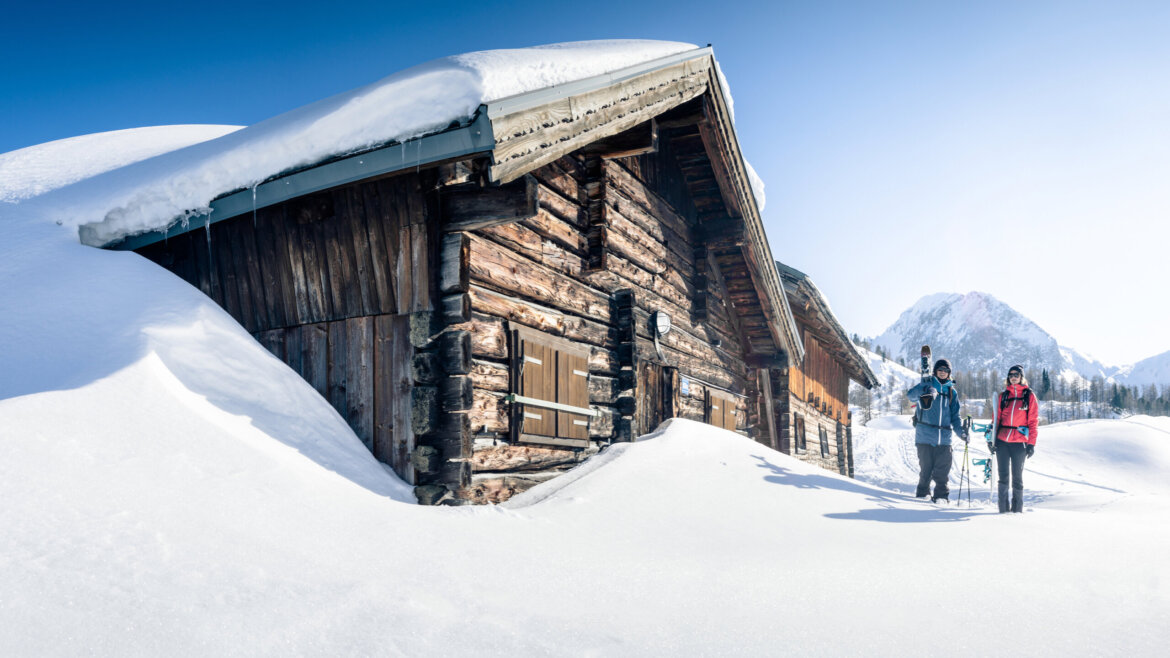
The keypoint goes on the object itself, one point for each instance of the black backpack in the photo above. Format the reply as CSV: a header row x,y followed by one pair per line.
x,y
1024,396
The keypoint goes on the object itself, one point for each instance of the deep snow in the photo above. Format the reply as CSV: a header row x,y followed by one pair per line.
x,y
169,488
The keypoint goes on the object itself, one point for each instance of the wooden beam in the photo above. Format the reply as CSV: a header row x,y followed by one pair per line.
x,y
468,207
683,116
764,377
453,273
639,140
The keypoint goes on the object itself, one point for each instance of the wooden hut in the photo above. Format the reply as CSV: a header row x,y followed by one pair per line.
x,y
489,305
813,398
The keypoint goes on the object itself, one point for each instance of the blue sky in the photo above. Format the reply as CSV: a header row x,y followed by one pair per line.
x,y
1018,148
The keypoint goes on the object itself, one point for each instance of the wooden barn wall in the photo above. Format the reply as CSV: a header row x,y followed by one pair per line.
x,y
534,273
328,283
817,394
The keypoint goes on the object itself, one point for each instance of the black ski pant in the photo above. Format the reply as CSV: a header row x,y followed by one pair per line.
x,y
1009,458
934,463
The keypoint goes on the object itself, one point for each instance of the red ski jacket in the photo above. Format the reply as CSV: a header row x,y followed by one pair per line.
x,y
1017,407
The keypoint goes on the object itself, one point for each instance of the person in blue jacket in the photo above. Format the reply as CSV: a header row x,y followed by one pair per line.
x,y
933,429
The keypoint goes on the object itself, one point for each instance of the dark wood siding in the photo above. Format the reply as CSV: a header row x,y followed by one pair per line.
x,y
356,251
327,283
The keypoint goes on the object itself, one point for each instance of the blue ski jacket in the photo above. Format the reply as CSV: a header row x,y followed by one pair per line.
x,y
935,424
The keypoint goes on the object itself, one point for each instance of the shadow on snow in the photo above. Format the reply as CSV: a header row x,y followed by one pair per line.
x,y
891,507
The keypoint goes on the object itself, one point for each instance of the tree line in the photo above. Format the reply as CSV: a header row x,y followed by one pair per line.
x,y
1061,400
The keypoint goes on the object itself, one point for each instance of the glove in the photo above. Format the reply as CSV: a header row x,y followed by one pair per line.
x,y
1031,450
929,392
966,436
991,447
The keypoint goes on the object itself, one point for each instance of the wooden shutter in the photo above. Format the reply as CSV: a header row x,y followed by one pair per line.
x,y
572,389
551,370
721,409
538,380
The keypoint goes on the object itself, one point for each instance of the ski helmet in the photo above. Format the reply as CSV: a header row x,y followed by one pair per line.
x,y
942,363
1017,369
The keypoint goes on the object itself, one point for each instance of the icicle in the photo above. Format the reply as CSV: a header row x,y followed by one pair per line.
x,y
210,266
254,204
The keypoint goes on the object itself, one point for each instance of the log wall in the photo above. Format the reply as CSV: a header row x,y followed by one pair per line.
x,y
540,273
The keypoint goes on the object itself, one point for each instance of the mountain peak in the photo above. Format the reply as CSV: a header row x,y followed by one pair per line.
x,y
974,330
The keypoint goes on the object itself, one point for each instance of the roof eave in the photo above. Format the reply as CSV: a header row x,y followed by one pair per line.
x,y
468,140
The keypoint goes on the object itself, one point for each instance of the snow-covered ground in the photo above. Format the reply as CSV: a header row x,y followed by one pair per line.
x,y
169,488
136,537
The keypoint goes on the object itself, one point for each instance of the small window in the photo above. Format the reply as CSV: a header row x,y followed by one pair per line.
x,y
823,434
550,376
798,434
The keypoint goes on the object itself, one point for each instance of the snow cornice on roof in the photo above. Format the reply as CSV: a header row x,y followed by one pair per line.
x,y
813,309
464,141
485,133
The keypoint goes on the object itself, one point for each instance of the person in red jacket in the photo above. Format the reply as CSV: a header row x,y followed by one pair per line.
x,y
1017,413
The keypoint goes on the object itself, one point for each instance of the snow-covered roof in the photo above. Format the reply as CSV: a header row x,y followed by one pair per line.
x,y
422,100
814,307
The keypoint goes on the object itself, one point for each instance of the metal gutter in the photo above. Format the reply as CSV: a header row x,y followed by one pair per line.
x,y
474,138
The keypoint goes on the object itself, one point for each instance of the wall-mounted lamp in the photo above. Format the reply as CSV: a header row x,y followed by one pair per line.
x,y
661,323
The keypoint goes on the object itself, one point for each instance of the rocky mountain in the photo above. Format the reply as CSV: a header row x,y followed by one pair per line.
x,y
1154,370
974,331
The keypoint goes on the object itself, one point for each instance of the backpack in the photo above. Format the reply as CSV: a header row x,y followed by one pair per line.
x,y
1025,395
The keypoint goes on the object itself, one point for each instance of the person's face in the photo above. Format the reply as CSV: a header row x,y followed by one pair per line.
x,y
942,374
1014,378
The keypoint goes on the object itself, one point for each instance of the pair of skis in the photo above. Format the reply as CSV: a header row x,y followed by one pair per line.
x,y
925,400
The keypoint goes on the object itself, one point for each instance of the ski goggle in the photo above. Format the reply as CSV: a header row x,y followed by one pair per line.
x,y
1015,373
943,369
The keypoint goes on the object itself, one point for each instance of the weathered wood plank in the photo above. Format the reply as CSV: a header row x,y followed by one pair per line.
x,y
312,240
455,352
470,207
250,272
455,309
342,288
522,458
315,343
405,269
294,351
420,256
359,377
539,317
381,262
537,136
290,251
357,248
205,263
515,274
385,391
488,412
402,396
454,275
337,366
274,266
